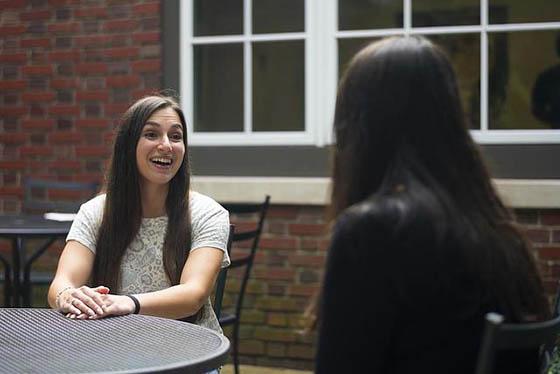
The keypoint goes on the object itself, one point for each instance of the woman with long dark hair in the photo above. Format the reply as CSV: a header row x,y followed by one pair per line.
x,y
149,244
422,246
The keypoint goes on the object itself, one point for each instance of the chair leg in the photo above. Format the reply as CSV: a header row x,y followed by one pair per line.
x,y
235,348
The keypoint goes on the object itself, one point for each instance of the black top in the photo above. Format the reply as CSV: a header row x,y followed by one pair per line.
x,y
400,304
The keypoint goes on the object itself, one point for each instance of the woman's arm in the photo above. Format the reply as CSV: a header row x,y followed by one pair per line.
x,y
67,291
185,299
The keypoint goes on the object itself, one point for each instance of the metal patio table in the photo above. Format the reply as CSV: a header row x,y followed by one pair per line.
x,y
44,341
17,228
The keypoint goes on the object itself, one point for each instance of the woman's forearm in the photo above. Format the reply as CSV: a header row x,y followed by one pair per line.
x,y
175,302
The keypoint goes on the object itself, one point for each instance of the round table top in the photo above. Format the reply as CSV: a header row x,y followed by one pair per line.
x,y
29,225
44,341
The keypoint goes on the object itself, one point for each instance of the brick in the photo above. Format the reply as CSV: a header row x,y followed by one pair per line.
x,y
146,37
65,83
65,137
274,334
12,30
146,65
64,164
278,304
287,212
15,4
276,349
64,194
146,8
127,52
300,229
37,70
65,110
92,123
91,68
13,57
97,95
88,151
274,273
538,235
278,243
35,151
35,15
306,260
556,236
38,96
301,351
122,81
13,165
44,124
13,138
72,55
97,12
13,111
253,316
38,42
118,109
302,290
64,28
251,347
549,253
550,218
11,191
13,85
126,25
277,319
92,40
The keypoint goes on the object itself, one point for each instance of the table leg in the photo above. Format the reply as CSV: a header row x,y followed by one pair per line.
x,y
16,263
7,281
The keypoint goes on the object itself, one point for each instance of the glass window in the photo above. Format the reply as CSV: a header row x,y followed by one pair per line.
x,y
428,13
524,80
278,86
216,17
522,11
369,14
218,87
347,48
273,16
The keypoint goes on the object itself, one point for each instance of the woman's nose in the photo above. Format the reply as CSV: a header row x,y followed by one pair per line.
x,y
165,143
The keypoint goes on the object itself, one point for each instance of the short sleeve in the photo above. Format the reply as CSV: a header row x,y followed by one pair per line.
x,y
210,225
86,225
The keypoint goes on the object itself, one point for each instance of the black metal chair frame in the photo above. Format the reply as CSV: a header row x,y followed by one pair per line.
x,y
222,276
246,261
501,336
30,204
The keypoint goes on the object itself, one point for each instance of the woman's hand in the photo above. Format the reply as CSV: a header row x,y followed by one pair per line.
x,y
114,305
82,302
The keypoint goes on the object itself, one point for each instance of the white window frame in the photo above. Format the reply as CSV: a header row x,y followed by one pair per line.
x,y
321,36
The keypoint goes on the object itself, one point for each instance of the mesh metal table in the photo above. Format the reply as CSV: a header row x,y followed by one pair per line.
x,y
44,341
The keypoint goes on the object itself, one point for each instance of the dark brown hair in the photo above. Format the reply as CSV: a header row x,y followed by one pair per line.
x,y
123,208
400,126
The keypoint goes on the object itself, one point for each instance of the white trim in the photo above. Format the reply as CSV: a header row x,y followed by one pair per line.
x,y
186,64
247,74
480,135
251,38
516,193
516,136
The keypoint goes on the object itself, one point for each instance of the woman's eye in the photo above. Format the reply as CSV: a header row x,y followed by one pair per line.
x,y
150,135
177,137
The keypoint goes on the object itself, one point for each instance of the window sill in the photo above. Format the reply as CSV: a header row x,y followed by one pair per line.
x,y
516,193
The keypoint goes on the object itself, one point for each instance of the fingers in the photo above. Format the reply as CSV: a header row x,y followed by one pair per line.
x,y
101,289
85,302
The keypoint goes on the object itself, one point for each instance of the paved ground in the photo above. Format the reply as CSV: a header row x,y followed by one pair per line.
x,y
247,369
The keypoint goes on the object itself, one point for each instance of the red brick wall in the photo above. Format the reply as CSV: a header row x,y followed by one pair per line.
x,y
68,70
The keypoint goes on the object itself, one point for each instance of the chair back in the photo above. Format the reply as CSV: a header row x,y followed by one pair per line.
x,y
500,336
241,236
222,276
44,195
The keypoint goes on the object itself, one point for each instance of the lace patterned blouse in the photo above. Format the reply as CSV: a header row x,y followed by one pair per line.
x,y
142,265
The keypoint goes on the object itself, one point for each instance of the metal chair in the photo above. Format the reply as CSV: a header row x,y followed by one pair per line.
x,y
499,336
233,317
222,276
41,196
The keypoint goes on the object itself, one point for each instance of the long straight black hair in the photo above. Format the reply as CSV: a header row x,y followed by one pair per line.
x,y
400,127
123,207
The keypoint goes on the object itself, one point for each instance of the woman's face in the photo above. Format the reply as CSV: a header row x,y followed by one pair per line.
x,y
160,149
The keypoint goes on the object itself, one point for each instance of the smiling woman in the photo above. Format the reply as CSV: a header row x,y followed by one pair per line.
x,y
148,244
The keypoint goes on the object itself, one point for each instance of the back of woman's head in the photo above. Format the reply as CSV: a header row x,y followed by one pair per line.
x,y
398,103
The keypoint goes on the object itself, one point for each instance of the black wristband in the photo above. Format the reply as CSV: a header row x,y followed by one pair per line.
x,y
136,304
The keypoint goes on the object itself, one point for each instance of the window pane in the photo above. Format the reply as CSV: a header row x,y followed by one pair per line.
x,y
218,87
445,12
464,52
278,86
524,80
519,11
369,14
270,16
215,17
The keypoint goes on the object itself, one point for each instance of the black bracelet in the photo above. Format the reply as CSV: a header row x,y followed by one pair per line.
x,y
136,304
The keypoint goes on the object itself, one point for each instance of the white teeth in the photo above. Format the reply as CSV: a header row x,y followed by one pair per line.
x,y
161,160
